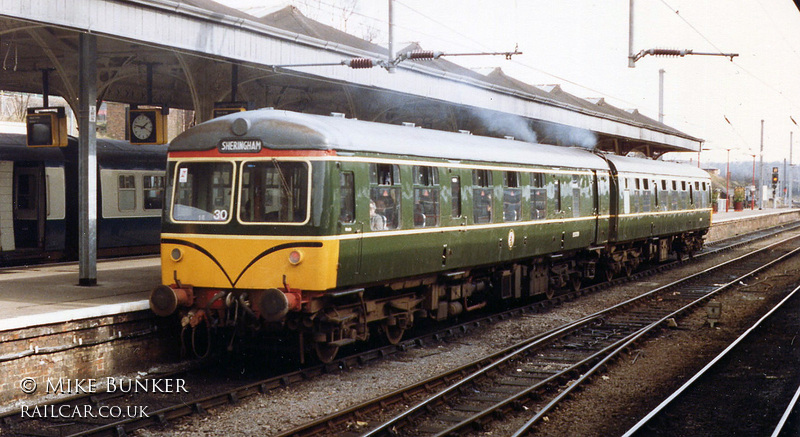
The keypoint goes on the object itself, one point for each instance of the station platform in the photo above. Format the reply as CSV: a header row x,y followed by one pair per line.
x,y
728,224
41,295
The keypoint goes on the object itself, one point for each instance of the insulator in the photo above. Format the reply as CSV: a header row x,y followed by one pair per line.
x,y
361,63
668,52
421,55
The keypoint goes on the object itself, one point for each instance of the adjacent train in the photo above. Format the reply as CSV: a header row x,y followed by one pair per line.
x,y
330,229
39,202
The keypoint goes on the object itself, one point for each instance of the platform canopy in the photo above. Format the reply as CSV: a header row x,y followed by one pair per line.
x,y
194,53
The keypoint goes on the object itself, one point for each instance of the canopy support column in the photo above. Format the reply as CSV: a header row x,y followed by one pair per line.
x,y
87,161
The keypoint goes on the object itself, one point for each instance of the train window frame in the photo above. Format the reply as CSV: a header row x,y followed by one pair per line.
x,y
128,191
426,192
161,186
656,204
512,196
538,196
482,188
278,164
385,191
384,174
234,177
557,193
576,196
455,197
347,197
645,197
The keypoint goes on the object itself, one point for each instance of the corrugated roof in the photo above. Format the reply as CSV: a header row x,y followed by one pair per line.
x,y
291,19
213,6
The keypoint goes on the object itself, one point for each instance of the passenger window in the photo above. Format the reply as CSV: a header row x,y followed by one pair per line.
x,y
683,185
426,196
153,192
126,194
347,194
385,195
664,185
646,196
455,193
538,197
674,185
512,197
482,196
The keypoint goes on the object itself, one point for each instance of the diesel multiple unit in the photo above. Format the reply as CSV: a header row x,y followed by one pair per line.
x,y
331,229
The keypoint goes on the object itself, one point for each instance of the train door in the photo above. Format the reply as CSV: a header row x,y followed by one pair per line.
x,y
29,207
350,251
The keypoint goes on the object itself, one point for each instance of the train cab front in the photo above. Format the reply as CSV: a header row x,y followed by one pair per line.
x,y
244,238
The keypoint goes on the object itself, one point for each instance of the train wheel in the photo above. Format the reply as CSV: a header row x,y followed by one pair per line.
x,y
608,273
325,352
628,270
393,333
575,283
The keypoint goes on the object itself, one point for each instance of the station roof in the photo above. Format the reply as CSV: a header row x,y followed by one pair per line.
x,y
191,47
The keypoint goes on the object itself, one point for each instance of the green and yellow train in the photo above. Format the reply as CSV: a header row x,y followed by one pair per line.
x,y
332,229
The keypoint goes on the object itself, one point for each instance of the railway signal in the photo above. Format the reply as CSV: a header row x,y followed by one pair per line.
x,y
774,177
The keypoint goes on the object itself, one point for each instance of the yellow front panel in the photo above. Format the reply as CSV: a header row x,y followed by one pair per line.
x,y
248,262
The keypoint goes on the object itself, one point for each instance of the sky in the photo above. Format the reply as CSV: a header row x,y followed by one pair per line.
x,y
582,45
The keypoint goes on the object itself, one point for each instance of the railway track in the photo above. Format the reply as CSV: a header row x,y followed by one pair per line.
x,y
540,372
751,388
164,409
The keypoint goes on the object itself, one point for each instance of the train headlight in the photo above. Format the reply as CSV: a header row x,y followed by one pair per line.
x,y
295,257
176,254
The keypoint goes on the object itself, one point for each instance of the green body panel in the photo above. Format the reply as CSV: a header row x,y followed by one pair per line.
x,y
368,256
651,211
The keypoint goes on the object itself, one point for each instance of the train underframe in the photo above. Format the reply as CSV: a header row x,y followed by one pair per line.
x,y
326,321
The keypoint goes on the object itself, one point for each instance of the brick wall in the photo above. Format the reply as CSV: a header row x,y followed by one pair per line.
x,y
91,348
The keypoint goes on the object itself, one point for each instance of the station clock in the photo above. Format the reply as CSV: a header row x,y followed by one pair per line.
x,y
147,126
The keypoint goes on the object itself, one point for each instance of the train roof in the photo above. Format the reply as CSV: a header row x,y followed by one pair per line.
x,y
279,129
116,153
626,164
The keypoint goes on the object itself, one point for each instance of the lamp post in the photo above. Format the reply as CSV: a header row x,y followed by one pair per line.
x,y
753,194
761,171
698,155
728,182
